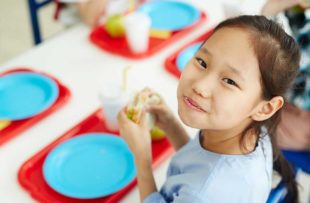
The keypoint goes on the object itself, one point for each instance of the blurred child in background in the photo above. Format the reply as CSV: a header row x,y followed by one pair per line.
x,y
91,12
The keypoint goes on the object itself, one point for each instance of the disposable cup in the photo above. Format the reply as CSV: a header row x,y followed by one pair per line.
x,y
137,28
113,98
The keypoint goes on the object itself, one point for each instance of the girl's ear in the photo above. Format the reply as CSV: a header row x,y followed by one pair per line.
x,y
267,108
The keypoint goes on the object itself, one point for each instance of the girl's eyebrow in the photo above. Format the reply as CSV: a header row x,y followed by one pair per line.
x,y
205,51
231,68
236,71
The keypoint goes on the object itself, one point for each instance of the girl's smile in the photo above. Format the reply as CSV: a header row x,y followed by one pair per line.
x,y
193,105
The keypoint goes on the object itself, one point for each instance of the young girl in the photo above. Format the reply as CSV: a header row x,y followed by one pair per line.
x,y
232,90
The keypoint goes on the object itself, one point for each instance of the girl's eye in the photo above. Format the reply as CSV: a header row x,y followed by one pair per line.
x,y
201,62
230,82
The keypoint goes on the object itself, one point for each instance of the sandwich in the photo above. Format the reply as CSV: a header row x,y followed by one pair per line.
x,y
138,104
136,107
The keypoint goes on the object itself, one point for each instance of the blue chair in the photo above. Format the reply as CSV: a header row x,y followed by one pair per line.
x,y
298,159
300,162
34,7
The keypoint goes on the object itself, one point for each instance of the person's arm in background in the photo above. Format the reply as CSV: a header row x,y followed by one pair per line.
x,y
273,7
92,10
294,130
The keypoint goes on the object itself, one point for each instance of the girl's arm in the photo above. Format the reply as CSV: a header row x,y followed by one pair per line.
x,y
138,138
176,133
145,177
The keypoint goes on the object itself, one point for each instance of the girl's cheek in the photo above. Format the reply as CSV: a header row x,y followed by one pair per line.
x,y
190,74
185,79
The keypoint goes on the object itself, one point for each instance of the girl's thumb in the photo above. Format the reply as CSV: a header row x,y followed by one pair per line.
x,y
153,108
143,119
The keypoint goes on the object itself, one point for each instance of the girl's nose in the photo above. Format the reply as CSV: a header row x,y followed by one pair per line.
x,y
204,86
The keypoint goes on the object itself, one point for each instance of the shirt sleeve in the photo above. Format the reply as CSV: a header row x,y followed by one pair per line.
x,y
72,1
154,197
184,195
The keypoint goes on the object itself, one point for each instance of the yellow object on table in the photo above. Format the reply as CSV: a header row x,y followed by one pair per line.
x,y
157,133
4,124
115,26
162,34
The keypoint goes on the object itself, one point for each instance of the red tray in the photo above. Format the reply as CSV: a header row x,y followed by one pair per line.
x,y
31,178
16,127
170,62
118,46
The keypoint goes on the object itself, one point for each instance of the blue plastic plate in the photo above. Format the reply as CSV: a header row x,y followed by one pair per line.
x,y
170,15
185,56
89,166
25,94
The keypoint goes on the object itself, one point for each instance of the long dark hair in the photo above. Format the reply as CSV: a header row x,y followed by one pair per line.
x,y
278,57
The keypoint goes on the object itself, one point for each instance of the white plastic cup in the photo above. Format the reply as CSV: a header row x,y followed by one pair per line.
x,y
112,99
137,28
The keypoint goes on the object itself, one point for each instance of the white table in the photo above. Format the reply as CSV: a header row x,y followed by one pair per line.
x,y
82,67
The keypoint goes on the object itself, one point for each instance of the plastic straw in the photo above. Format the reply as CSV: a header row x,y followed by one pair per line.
x,y
131,6
125,77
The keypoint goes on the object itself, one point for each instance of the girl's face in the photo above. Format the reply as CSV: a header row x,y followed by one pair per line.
x,y
220,87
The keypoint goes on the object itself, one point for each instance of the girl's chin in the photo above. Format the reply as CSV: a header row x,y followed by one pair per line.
x,y
191,120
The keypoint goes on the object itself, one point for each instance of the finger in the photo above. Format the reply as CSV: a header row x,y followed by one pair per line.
x,y
136,118
147,89
143,119
122,116
152,92
159,108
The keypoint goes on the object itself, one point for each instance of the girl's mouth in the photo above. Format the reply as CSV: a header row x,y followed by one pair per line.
x,y
193,105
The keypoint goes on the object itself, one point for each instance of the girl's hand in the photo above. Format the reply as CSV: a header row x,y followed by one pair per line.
x,y
165,119
138,139
137,136
162,113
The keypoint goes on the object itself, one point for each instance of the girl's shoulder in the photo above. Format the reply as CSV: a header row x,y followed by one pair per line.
x,y
234,175
242,179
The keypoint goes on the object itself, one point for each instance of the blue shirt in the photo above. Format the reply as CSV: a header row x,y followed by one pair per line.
x,y
196,175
